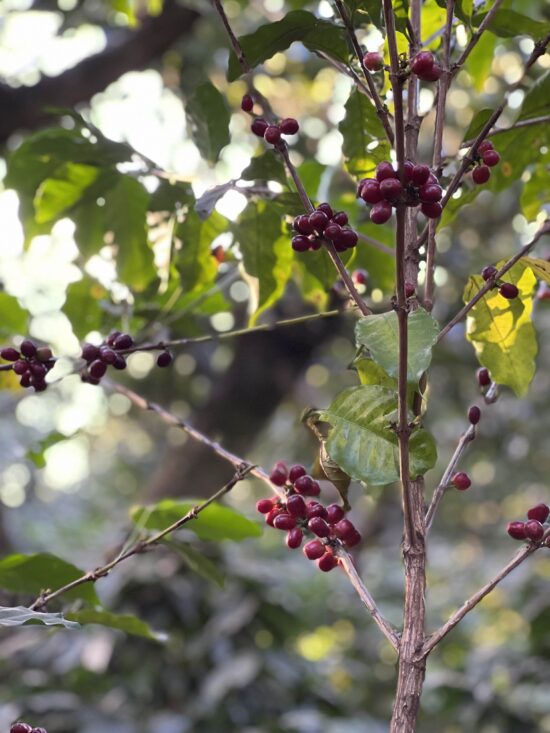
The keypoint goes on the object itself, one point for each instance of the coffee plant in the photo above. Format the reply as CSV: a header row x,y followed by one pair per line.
x,y
362,239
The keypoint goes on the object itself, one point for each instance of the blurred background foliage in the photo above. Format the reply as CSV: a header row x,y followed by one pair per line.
x,y
279,647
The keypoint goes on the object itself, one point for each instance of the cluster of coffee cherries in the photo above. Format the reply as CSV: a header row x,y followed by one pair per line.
x,y
487,157
26,728
31,363
507,290
112,352
425,66
533,528
323,223
420,186
300,518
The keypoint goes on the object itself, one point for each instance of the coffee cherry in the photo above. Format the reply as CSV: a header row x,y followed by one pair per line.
x,y
38,370
21,728
340,218
294,538
373,61
353,539
315,509
259,126
97,369
380,213
491,158
296,506
21,366
314,550
516,530
327,562
508,291
9,354
534,530
335,513
344,528
461,481
90,352
385,170
370,191
432,74
422,63
327,208
319,220
26,380
539,512
481,174
430,193
432,210
120,362
112,337
316,244
295,472
272,134
164,359
483,377
474,414
304,485
264,506
319,527
420,174
303,225
107,355
484,146
391,189
273,514
408,168
333,231
488,272
284,521
124,341
289,126
278,476
300,243
360,277
348,238
247,103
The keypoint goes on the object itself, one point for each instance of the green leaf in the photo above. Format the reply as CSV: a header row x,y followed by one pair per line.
x,y
501,330
541,268
198,563
62,190
216,522
19,615
194,261
298,25
85,306
171,196
480,61
205,204
36,453
509,24
362,439
536,192
369,372
265,167
266,254
380,335
363,10
125,213
208,118
537,100
478,122
360,128
122,622
14,318
34,573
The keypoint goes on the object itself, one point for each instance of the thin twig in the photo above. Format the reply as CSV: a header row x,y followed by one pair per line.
x,y
376,244
476,36
544,229
433,640
545,119
444,484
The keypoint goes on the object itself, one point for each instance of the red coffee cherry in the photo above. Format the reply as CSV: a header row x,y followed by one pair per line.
x,y
90,352
247,103
534,530
295,472
300,243
259,126
391,189
314,550
327,208
294,538
272,134
304,485
28,348
344,529
474,414
296,506
422,63
327,562
319,527
333,231
289,126
303,225
373,61
271,516
432,210
348,238
461,481
481,174
107,355
483,377
314,509
408,169
164,359
381,212
370,191
97,369
284,521
539,512
124,341
264,506
319,220
420,174
9,354
430,193
484,146
360,277
516,530
119,362
335,513
488,272
385,170
21,728
340,218
353,539
432,74
279,474
21,366
491,158
508,291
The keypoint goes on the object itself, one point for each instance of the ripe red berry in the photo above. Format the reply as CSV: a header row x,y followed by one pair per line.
x,y
432,210
408,169
432,74
124,341
373,61
164,359
278,476
340,218
303,225
483,377
430,193
516,530
348,238
327,208
21,728
410,289
391,189
508,291
28,348
474,414
360,277
316,244
353,539
296,506
484,146
300,243
420,174
272,134
9,354
284,521
461,481
491,158
319,527
344,528
289,126
107,355
21,366
314,550
273,514
488,272
264,506
314,509
319,219
327,562
294,538
333,231
38,370
304,485
44,353
26,380
259,126
481,174
97,369
534,530
247,103
385,170
295,472
370,191
381,212
539,512
335,513
422,62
